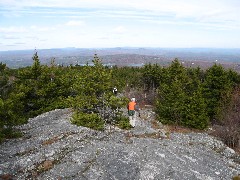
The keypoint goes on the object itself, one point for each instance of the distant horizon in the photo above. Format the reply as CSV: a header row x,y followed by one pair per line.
x,y
123,47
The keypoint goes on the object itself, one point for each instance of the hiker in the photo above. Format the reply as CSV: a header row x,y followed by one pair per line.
x,y
115,90
132,106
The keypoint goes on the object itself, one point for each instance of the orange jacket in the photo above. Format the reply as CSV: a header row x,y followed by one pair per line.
x,y
131,105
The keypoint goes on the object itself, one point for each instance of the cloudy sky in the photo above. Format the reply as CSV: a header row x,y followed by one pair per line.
x,y
30,24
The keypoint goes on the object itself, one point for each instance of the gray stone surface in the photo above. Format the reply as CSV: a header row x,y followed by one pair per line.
x,y
53,148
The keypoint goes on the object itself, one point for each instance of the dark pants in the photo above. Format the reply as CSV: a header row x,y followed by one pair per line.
x,y
131,112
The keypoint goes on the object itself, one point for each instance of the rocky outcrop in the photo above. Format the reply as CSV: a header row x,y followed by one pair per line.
x,y
53,148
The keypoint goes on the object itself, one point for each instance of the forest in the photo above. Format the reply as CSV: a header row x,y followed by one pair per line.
x,y
188,97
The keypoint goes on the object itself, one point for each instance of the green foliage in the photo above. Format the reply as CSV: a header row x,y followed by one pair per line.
x,y
92,87
93,121
123,122
180,98
39,88
194,111
189,97
112,109
34,90
217,90
36,68
1,120
234,77
93,93
151,76
44,88
9,133
8,118
5,81
2,67
127,77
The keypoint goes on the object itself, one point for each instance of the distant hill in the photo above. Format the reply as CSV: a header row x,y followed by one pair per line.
x,y
125,56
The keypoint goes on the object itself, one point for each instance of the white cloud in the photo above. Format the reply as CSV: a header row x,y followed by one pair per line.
x,y
119,30
59,3
7,36
42,29
204,9
114,22
75,23
13,29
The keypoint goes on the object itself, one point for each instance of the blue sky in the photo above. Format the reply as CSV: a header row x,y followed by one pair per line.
x,y
43,24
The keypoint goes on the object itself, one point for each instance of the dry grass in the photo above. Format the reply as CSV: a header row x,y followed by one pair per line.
x,y
152,135
47,165
56,138
236,177
6,177
50,141
180,129
44,166
155,124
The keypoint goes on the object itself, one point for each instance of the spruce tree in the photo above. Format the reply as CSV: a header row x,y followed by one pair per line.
x,y
180,99
217,90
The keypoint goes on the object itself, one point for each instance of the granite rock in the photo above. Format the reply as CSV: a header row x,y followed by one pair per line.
x,y
53,148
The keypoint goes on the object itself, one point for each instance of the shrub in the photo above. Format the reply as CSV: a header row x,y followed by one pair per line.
x,y
228,129
93,121
8,133
123,122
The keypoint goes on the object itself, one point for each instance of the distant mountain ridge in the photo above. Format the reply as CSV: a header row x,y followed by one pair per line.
x,y
119,55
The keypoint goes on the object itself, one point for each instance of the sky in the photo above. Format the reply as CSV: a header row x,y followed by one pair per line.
x,y
45,24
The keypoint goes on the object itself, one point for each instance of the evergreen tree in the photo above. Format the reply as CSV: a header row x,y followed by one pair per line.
x,y
151,76
194,111
94,103
44,88
5,81
36,67
171,94
217,90
180,98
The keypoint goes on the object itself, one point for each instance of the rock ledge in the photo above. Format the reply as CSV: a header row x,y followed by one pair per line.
x,y
53,148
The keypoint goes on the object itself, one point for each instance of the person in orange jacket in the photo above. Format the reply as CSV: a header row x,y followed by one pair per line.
x,y
131,112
